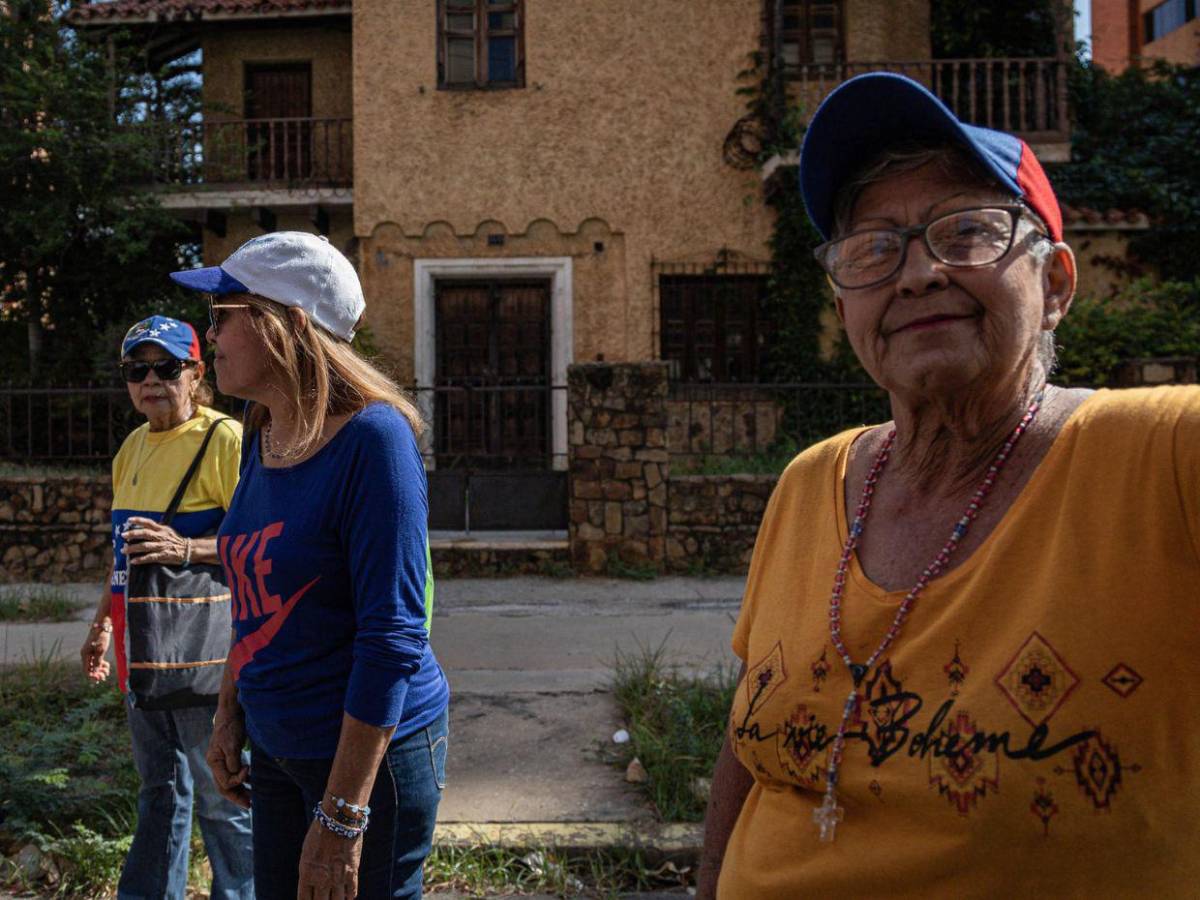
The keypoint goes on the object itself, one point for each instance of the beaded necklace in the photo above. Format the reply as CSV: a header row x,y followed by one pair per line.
x,y
828,814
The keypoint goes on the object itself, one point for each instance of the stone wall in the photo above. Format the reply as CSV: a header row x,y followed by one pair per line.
x,y
626,507
618,462
55,529
714,520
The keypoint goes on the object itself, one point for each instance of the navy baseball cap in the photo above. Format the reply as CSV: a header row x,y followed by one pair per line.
x,y
866,114
176,337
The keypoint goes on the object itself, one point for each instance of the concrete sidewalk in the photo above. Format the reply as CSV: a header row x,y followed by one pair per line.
x,y
529,662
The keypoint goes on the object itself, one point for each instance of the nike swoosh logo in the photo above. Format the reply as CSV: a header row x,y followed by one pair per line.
x,y
243,651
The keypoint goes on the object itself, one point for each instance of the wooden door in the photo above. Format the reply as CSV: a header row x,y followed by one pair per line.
x,y
493,374
279,122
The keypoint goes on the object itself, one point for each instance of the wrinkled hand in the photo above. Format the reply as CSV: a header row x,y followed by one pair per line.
x,y
328,865
224,758
147,541
95,645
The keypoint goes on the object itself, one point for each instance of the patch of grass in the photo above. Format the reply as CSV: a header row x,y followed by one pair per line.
x,y
480,871
42,605
619,568
769,462
67,780
676,723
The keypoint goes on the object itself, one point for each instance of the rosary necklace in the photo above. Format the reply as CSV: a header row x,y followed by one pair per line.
x,y
828,814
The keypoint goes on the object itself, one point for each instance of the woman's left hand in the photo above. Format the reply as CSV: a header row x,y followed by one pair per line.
x,y
328,865
147,541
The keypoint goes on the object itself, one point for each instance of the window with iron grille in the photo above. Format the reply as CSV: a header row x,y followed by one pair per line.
x,y
713,327
810,33
481,44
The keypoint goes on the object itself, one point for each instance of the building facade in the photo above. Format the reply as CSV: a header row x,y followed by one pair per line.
x,y
525,185
1126,32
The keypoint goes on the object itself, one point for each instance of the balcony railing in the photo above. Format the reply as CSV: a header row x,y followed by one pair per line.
x,y
298,152
1024,96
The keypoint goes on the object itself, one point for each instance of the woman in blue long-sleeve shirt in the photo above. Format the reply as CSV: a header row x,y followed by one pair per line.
x,y
331,676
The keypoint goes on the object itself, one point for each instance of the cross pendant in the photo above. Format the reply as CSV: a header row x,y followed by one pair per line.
x,y
827,817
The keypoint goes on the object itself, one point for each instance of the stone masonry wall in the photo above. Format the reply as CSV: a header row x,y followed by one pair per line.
x,y
626,507
714,520
617,457
55,529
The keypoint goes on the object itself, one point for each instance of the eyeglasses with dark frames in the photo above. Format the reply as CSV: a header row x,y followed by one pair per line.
x,y
135,371
216,313
965,238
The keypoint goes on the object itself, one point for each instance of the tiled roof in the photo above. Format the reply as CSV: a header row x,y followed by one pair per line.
x,y
170,10
1086,218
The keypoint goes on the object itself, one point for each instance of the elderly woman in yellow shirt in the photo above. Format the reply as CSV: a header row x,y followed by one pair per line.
x,y
163,370
968,633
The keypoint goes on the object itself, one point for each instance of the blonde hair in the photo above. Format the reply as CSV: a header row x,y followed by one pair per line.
x,y
322,375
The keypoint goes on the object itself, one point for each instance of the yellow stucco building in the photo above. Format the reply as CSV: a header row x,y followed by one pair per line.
x,y
526,184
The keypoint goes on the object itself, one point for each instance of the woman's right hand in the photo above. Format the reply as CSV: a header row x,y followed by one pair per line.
x,y
225,757
95,645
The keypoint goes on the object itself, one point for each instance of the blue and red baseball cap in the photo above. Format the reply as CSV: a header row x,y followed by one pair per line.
x,y
866,114
176,337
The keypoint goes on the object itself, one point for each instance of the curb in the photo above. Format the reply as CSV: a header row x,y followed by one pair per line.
x,y
670,838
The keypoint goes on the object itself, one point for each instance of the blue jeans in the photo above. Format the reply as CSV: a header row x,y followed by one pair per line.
x,y
168,751
404,802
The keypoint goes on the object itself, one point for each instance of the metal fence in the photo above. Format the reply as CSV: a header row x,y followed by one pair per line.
x,y
758,427
487,427
65,424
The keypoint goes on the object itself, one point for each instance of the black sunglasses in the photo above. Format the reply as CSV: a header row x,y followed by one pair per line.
x,y
165,369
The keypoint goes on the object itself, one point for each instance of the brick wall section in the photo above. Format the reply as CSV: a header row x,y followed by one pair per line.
x,y
55,529
618,460
714,520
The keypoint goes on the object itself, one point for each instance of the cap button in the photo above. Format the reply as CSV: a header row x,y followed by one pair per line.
x,y
322,237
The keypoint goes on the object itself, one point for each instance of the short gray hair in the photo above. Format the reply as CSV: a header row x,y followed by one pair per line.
x,y
956,163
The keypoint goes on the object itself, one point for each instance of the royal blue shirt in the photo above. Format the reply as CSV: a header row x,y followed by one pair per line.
x,y
327,562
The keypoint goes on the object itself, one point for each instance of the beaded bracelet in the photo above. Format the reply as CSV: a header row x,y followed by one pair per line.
x,y
106,627
345,810
337,827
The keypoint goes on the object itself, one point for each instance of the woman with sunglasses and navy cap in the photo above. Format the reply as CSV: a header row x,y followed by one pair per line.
x,y
162,368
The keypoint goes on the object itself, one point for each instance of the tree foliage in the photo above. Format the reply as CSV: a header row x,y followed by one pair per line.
x,y
970,29
1134,147
1144,320
82,251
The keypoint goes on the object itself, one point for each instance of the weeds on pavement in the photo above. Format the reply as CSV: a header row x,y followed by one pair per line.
x,y
67,781
39,606
676,723
485,870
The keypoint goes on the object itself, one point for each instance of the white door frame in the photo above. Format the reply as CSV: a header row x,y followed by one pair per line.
x,y
557,268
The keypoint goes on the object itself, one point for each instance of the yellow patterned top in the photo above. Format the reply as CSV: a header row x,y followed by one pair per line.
x,y
1033,728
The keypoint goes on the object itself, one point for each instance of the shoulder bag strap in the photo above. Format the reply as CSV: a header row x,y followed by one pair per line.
x,y
173,507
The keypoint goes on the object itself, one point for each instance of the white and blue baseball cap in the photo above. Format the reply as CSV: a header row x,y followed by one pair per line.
x,y
294,268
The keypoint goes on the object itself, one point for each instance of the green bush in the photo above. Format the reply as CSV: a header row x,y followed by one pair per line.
x,y
1143,320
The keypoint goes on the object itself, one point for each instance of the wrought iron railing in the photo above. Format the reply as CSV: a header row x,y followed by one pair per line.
x,y
295,152
68,424
758,427
505,427
1025,96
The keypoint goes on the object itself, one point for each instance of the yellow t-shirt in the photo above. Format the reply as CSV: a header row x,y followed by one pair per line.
x,y
147,471
1036,724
